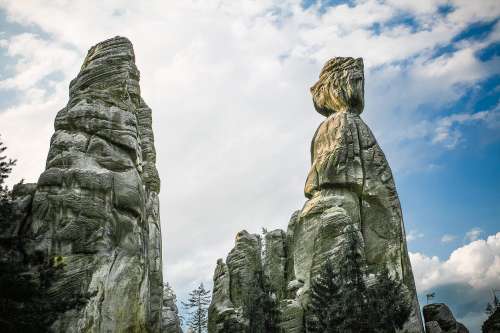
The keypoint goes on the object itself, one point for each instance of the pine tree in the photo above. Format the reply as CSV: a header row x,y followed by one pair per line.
x,y
5,170
353,316
342,302
339,294
259,306
323,305
389,306
197,307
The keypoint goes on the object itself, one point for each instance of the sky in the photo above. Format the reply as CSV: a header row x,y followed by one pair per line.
x,y
228,82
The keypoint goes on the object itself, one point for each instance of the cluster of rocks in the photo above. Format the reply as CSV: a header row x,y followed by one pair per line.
x,y
349,187
89,231
84,242
439,319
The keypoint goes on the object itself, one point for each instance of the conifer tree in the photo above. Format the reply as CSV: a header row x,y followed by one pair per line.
x,y
5,170
323,304
339,294
253,307
197,308
353,314
341,302
389,306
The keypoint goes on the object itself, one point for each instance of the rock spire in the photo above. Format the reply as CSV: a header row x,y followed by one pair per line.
x,y
90,228
349,187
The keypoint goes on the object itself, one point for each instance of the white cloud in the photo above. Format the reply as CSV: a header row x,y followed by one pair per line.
x,y
447,238
36,60
476,264
413,235
228,84
450,136
463,281
473,234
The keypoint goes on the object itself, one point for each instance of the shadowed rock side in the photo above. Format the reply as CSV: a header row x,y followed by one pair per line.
x,y
95,212
439,319
349,187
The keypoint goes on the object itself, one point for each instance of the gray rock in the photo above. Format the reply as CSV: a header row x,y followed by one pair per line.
x,y
244,264
350,183
94,216
432,327
170,322
223,316
233,281
274,262
439,318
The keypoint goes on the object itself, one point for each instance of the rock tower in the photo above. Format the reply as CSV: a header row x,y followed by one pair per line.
x,y
90,228
349,187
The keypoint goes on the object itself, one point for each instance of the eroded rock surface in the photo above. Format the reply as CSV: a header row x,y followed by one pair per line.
x,y
349,187
439,318
233,281
93,217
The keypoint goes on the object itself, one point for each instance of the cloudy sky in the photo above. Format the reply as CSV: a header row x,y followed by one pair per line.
x,y
228,84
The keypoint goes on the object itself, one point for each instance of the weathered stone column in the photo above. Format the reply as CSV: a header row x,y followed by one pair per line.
x,y
350,184
96,209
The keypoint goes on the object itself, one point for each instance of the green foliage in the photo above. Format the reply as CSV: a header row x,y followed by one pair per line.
x,y
388,297
24,304
253,310
197,307
5,170
324,289
260,307
342,302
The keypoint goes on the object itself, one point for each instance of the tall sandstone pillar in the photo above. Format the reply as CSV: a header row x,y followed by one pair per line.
x,y
95,210
350,184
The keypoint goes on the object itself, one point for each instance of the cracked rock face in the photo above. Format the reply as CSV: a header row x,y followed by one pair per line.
x,y
349,187
96,210
233,281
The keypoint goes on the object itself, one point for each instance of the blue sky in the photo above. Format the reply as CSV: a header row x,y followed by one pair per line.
x,y
228,84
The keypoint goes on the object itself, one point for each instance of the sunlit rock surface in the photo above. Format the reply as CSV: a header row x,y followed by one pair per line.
x,y
349,187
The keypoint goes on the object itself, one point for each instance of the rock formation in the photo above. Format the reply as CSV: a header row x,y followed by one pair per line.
x,y
349,187
439,319
89,230
170,322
